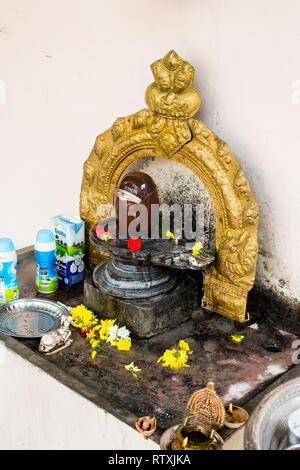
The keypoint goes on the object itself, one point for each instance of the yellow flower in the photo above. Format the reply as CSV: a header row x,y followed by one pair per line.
x,y
95,343
237,338
124,344
94,354
92,332
197,248
82,317
174,358
169,234
105,324
183,345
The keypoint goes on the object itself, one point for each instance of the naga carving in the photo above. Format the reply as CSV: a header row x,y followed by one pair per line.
x,y
166,129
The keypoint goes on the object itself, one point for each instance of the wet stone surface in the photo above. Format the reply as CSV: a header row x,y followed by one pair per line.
x,y
239,370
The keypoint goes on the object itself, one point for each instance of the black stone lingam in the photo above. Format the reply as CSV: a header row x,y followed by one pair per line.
x,y
140,288
135,188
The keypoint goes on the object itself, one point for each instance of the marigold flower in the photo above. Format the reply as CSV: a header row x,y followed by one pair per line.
x,y
104,328
91,334
197,248
237,338
95,343
124,344
82,317
183,345
169,234
174,358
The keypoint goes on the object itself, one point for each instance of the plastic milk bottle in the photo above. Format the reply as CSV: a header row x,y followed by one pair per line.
x,y
9,289
45,255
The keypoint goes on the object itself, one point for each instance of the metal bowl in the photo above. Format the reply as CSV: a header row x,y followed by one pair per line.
x,y
170,434
242,413
267,428
31,318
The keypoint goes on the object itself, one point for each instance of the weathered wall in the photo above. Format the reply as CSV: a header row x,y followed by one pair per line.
x,y
72,66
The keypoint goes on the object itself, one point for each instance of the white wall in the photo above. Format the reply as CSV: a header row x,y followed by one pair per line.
x,y
37,412
72,66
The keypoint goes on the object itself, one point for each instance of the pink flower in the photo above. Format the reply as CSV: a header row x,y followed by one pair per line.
x,y
102,234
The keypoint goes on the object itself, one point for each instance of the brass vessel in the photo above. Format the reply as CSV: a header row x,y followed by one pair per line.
x,y
205,415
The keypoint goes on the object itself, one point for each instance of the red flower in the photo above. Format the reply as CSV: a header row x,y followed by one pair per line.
x,y
84,330
134,244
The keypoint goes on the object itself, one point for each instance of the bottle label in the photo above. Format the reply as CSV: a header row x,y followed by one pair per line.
x,y
45,278
9,289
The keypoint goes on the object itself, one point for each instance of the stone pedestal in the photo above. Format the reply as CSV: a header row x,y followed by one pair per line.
x,y
125,280
145,317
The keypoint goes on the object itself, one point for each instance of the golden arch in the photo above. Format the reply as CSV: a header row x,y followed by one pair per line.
x,y
167,130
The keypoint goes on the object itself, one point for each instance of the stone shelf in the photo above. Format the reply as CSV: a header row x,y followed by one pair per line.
x,y
240,371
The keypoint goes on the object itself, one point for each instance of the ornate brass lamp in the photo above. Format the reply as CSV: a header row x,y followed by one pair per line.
x,y
166,130
205,415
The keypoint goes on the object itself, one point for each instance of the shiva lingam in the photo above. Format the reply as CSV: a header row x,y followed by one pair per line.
x,y
205,415
139,287
166,129
135,188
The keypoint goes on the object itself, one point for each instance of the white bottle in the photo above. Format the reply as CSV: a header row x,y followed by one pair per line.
x,y
9,289
44,251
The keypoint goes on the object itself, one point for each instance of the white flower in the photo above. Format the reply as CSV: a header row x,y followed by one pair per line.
x,y
116,333
123,333
113,330
132,368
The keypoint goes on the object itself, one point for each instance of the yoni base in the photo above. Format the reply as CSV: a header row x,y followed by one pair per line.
x,y
146,317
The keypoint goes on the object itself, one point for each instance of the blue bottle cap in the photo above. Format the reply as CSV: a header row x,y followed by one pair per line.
x,y
6,245
44,236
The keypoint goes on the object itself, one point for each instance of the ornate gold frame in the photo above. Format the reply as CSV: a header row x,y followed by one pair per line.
x,y
166,130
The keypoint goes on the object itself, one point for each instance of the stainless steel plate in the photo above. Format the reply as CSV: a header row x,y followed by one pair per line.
x,y
267,428
30,318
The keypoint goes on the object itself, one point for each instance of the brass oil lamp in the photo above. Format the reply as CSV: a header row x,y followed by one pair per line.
x,y
205,415
235,416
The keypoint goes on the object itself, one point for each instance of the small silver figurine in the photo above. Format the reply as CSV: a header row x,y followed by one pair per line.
x,y
59,339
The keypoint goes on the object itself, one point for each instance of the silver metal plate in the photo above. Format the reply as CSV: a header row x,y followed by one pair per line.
x,y
30,318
